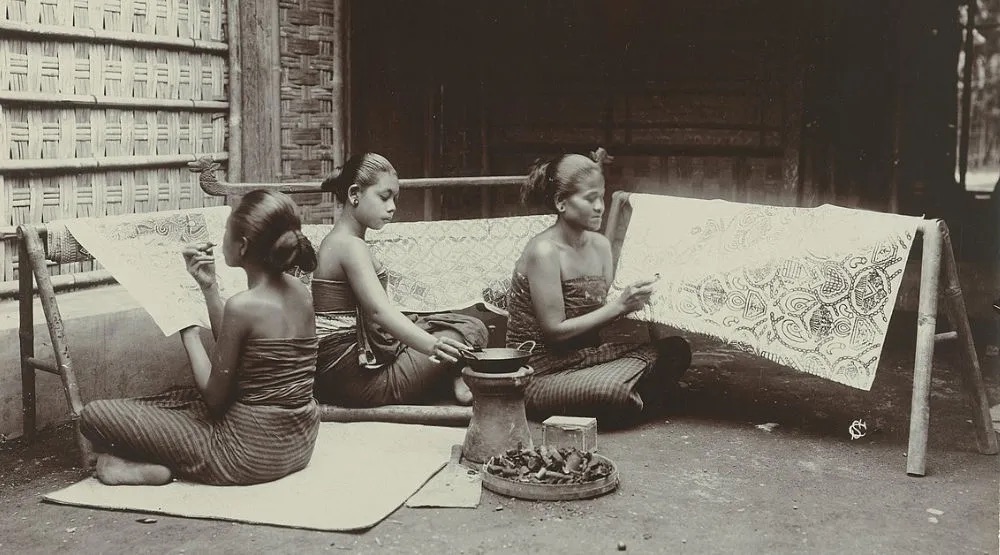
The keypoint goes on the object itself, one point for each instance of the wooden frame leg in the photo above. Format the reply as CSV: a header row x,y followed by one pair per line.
x,y
930,273
26,337
972,376
57,334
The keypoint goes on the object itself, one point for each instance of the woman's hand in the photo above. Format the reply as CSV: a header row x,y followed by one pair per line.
x,y
200,264
447,349
636,295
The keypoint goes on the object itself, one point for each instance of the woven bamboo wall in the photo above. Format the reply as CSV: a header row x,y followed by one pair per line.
x,y
312,72
102,104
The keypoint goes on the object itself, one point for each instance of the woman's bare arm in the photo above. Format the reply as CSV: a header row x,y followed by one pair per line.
x,y
359,269
215,376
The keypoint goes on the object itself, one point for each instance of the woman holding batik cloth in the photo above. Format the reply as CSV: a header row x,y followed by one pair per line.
x,y
251,417
558,298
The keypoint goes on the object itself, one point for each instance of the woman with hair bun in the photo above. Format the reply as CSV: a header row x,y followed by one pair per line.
x,y
558,298
370,353
251,417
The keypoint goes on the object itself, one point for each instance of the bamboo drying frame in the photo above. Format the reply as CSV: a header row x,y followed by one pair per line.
x,y
936,249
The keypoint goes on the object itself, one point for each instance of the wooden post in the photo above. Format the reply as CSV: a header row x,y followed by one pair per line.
x,y
966,114
234,169
791,190
261,90
26,335
486,195
892,204
340,108
930,273
972,376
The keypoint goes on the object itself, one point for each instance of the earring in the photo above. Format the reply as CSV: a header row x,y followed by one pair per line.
x,y
354,201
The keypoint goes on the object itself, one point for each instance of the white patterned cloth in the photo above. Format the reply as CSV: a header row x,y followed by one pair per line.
x,y
809,288
143,252
448,264
434,266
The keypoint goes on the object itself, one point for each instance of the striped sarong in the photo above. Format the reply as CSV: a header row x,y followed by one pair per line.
x,y
584,377
266,434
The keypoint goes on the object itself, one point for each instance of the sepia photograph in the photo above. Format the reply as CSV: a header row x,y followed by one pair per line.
x,y
507,276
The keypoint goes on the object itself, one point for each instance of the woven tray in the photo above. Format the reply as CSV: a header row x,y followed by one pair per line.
x,y
552,492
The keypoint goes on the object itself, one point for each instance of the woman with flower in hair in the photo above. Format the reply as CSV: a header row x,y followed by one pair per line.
x,y
558,298
370,353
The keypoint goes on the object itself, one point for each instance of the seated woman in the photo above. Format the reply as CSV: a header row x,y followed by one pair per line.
x,y
558,298
370,353
252,417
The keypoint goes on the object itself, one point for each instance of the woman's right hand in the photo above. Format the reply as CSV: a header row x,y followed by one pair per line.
x,y
200,263
447,349
635,295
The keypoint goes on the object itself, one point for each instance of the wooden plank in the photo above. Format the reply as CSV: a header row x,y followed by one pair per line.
x,y
260,102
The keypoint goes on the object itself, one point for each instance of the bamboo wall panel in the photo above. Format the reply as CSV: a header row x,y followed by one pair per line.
x,y
102,103
313,76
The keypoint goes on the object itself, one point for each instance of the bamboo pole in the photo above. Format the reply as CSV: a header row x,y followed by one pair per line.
x,y
616,214
92,101
966,115
43,365
972,375
81,34
109,162
26,336
930,272
234,144
63,282
220,188
35,260
402,414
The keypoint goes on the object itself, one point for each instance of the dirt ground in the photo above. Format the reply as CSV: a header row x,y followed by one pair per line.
x,y
703,479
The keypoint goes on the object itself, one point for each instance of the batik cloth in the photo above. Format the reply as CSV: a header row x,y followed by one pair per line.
x,y
809,288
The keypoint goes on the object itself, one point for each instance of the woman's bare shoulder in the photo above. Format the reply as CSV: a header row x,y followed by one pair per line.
x,y
541,246
334,240
598,240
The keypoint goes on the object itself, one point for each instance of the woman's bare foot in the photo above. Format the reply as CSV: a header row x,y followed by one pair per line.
x,y
116,471
463,395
